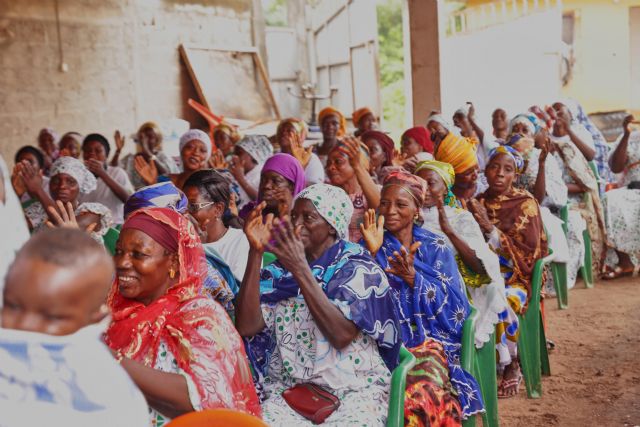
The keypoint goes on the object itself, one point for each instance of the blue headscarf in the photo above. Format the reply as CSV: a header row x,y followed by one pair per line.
x,y
347,274
509,151
435,308
161,195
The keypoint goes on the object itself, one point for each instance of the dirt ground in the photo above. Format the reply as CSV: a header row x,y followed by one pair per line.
x,y
595,368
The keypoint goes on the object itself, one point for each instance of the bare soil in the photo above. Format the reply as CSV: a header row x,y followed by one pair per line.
x,y
595,368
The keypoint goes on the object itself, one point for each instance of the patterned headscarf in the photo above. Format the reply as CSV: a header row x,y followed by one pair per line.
x,y
77,170
511,152
446,172
106,220
359,114
196,134
257,146
229,130
161,195
459,152
342,130
422,136
523,144
525,119
299,126
333,204
385,142
412,184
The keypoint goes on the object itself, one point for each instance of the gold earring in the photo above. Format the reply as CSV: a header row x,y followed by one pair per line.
x,y
172,273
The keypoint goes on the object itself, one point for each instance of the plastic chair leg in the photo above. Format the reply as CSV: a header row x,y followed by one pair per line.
x,y
485,373
545,366
559,271
586,270
529,352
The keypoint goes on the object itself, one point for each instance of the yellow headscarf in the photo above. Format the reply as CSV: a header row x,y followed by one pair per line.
x,y
329,111
359,114
299,125
445,170
459,152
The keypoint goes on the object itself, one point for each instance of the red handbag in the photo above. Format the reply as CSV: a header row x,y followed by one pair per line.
x,y
311,401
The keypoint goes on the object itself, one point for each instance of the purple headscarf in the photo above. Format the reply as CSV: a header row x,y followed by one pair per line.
x,y
287,166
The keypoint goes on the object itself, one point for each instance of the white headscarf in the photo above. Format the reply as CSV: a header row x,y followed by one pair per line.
x,y
196,134
257,146
77,170
525,120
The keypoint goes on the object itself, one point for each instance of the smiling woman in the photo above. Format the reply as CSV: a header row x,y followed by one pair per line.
x,y
195,150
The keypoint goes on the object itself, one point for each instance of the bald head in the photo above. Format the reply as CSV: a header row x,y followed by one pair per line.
x,y
57,284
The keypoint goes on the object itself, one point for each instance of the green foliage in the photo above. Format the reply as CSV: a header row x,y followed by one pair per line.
x,y
390,43
275,12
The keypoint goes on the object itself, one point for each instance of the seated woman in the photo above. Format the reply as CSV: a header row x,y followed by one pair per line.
x,y
180,348
34,157
148,154
460,153
71,144
195,150
432,304
330,318
477,263
113,186
415,146
69,179
333,126
623,204
281,181
48,143
246,166
160,195
381,151
510,219
364,120
290,137
348,168
225,136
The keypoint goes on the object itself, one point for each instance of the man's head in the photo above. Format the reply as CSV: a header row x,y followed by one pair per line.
x,y
57,284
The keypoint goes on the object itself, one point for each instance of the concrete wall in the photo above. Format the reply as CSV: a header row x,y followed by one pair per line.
x,y
122,57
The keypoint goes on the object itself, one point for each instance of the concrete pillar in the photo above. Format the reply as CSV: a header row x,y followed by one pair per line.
x,y
424,54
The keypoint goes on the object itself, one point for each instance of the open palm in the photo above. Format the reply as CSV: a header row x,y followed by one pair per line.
x,y
372,231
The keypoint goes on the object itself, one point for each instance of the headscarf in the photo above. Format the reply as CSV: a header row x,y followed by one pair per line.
x,y
77,170
161,195
511,152
412,184
459,152
162,233
228,130
106,220
525,119
464,110
439,118
76,137
333,204
385,142
154,127
196,331
287,166
98,138
299,126
523,144
257,146
342,129
196,134
446,172
51,132
359,114
364,150
422,136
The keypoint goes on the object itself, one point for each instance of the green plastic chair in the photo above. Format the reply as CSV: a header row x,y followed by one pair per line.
x,y
395,415
532,343
468,353
484,370
110,239
267,258
559,274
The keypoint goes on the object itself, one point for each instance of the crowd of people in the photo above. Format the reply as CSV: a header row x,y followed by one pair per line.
x,y
255,271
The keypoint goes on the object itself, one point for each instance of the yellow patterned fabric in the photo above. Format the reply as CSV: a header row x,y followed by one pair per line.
x,y
458,151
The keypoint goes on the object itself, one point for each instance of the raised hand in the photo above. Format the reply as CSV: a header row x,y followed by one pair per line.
x,y
63,216
626,123
233,205
30,176
16,181
119,140
472,110
217,161
286,244
298,151
398,158
258,232
236,168
372,231
543,142
410,163
480,214
445,226
147,170
351,147
401,264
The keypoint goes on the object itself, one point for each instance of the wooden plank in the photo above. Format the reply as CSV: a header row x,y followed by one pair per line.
x,y
194,78
265,78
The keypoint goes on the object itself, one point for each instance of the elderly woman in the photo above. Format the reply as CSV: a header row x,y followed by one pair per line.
x,y
477,263
148,154
69,179
71,144
510,219
195,150
290,136
180,349
431,300
381,150
460,153
246,166
348,168
364,120
333,126
328,300
113,186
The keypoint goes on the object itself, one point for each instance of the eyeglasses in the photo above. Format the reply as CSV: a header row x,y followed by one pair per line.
x,y
195,207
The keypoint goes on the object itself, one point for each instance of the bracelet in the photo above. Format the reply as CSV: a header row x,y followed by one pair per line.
x,y
119,357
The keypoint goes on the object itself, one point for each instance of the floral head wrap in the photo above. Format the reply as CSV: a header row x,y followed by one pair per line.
x,y
446,172
508,151
412,184
328,111
333,204
257,146
523,144
77,170
196,134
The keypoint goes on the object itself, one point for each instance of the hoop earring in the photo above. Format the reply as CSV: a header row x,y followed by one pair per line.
x,y
172,273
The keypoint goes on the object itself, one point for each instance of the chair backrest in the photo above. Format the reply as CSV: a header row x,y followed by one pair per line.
x,y
217,418
395,415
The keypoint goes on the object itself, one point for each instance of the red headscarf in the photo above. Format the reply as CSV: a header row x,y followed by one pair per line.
x,y
422,136
385,142
197,331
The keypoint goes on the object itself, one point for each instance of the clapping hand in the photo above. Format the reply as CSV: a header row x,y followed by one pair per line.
x,y
30,176
96,167
65,217
297,149
148,171
445,226
286,244
480,214
258,232
217,161
119,140
398,158
236,168
401,264
543,142
372,231
626,124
